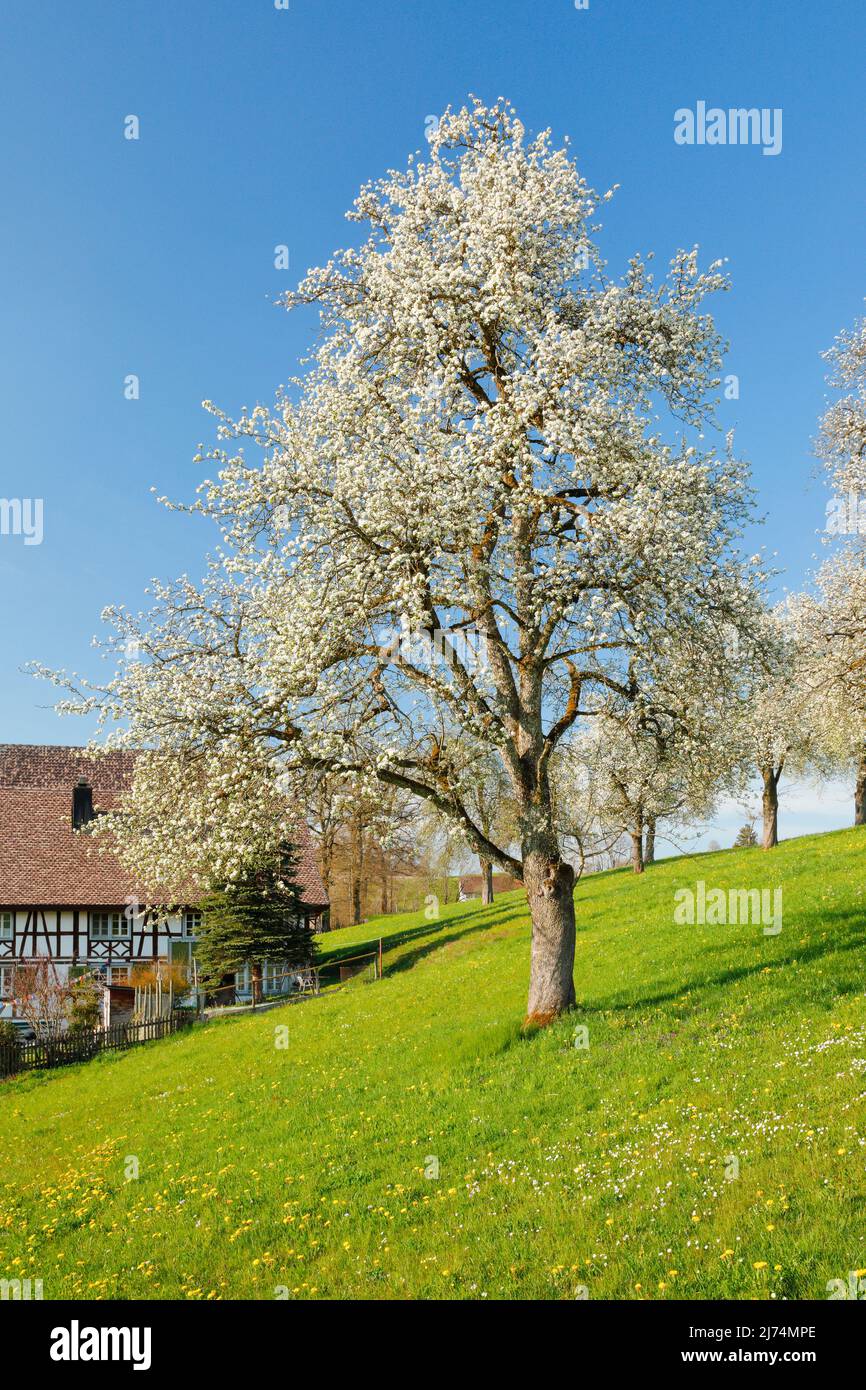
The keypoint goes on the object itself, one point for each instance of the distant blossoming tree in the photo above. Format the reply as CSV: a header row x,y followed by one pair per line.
x,y
832,617
636,775
666,753
495,445
832,624
842,436
778,730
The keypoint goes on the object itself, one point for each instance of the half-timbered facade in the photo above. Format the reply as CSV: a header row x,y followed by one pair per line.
x,y
64,898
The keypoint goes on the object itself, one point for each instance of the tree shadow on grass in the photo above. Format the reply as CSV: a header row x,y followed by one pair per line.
x,y
490,918
480,919
796,954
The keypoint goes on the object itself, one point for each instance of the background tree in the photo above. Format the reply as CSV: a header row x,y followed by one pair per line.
x,y
42,998
746,837
777,728
841,444
364,841
579,801
326,797
622,775
495,444
255,918
490,803
638,781
833,617
832,629
381,836
84,1005
664,755
375,844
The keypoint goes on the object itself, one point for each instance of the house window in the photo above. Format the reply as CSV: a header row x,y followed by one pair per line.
x,y
5,981
191,923
108,926
7,926
119,975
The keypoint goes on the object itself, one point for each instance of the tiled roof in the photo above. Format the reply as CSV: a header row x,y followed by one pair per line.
x,y
44,863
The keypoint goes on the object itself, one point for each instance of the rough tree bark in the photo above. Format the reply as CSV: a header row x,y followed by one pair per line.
x,y
649,854
636,834
357,869
860,793
486,882
770,806
550,894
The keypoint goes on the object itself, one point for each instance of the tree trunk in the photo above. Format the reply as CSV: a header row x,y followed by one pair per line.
x,y
860,793
649,854
326,861
486,882
550,894
770,806
257,982
637,850
357,869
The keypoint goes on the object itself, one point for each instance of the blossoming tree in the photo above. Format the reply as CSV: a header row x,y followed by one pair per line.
x,y
842,436
832,619
778,726
832,625
633,775
494,444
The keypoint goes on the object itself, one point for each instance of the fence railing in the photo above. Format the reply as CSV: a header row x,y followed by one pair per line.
x,y
80,1046
297,983
293,985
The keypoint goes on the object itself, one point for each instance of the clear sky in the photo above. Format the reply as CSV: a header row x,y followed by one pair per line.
x,y
155,256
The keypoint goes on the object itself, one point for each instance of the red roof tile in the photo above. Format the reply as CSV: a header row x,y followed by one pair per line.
x,y
44,863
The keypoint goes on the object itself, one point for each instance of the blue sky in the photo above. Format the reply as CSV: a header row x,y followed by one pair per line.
x,y
257,125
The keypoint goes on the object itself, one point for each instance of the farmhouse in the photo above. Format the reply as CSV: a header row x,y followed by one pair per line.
x,y
63,899
471,884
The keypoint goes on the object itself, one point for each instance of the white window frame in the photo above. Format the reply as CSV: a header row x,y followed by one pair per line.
x,y
7,926
194,916
117,926
6,975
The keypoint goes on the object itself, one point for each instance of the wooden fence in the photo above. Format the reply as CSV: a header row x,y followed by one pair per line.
x,y
80,1046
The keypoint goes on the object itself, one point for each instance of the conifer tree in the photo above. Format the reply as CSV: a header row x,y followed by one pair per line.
x,y
257,917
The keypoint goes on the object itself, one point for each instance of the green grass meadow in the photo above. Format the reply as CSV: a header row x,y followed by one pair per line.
x,y
408,1141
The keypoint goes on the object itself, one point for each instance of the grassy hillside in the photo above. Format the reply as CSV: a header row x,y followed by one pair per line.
x,y
303,1167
